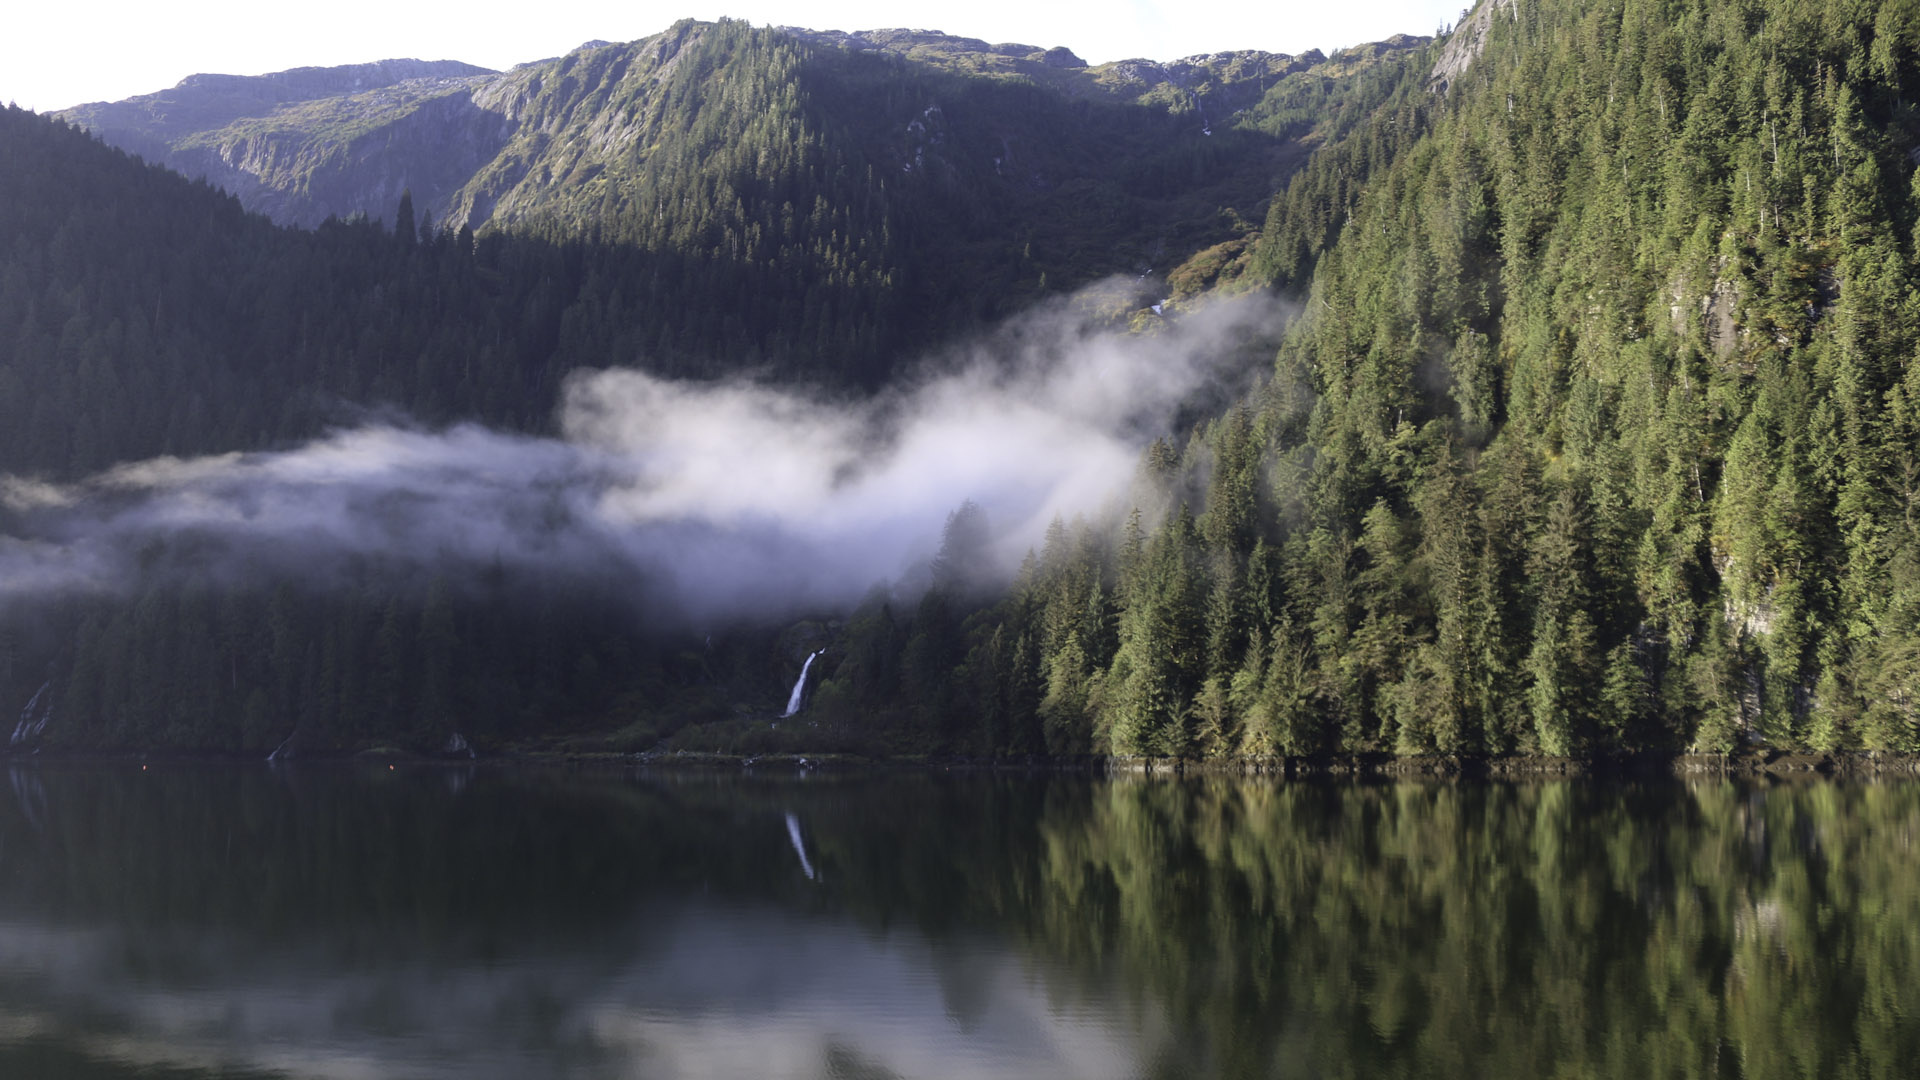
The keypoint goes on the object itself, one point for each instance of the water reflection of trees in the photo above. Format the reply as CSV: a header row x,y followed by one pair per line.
x,y
1444,929
1578,928
1710,928
1720,928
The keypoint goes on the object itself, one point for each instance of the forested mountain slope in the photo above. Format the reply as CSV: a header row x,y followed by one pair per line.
x,y
148,315
311,143
1600,432
826,210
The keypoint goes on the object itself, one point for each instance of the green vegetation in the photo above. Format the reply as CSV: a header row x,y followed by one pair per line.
x,y
860,196
720,198
1600,430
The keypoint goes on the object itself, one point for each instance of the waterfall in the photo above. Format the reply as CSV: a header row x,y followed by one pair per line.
x,y
800,686
31,725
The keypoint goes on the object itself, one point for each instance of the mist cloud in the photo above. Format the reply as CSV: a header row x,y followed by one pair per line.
x,y
713,499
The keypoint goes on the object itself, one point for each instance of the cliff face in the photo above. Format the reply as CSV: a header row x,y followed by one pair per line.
x,y
306,144
337,157
1467,42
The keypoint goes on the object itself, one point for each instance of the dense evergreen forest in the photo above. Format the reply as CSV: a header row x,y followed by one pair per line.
x,y
1599,431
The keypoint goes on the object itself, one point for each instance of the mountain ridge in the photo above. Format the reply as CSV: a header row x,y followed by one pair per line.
x,y
293,144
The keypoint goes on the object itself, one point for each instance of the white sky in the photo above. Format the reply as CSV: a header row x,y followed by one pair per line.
x,y
54,55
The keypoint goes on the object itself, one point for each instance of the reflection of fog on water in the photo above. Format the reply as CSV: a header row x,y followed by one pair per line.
x,y
746,992
449,923
347,921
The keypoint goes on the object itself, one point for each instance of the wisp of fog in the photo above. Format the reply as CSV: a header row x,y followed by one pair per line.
x,y
712,499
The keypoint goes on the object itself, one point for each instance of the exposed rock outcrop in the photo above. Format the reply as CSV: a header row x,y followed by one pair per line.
x,y
1466,43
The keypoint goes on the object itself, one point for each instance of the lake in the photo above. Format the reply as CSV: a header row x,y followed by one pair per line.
x,y
355,921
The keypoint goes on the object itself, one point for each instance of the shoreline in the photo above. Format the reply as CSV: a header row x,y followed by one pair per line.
x,y
1782,764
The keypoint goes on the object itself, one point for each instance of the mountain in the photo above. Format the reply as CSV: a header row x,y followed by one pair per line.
x,y
148,314
306,144
902,186
311,143
202,103
1596,434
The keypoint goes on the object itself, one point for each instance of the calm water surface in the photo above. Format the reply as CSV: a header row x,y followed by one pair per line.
x,y
346,921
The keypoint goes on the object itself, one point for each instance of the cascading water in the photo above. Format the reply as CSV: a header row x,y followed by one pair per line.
x,y
800,686
33,718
